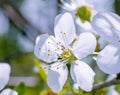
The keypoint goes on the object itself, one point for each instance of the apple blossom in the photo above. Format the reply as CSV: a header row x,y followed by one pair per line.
x,y
66,48
4,78
106,24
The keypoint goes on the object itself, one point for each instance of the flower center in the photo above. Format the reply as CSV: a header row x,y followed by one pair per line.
x,y
68,55
84,13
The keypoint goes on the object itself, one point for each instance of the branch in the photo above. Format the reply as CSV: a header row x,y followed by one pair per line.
x,y
106,84
16,17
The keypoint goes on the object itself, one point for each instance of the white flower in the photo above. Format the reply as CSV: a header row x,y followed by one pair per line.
x,y
4,78
65,48
102,5
91,7
8,92
107,24
77,8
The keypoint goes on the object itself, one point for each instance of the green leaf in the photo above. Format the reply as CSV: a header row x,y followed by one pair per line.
x,y
20,88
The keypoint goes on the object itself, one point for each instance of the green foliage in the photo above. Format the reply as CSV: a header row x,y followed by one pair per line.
x,y
22,64
20,88
117,88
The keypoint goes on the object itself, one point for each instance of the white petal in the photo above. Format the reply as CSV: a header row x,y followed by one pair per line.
x,y
4,74
85,45
65,29
82,74
76,87
102,42
112,91
47,48
57,76
84,27
107,26
108,59
69,7
40,40
8,92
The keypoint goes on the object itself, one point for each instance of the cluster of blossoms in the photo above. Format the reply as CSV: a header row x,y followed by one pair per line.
x,y
67,48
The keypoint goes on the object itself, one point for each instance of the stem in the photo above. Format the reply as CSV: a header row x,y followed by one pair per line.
x,y
115,81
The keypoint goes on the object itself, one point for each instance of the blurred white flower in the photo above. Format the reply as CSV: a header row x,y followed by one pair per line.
x,y
102,5
4,23
91,7
8,92
4,74
77,8
4,78
36,12
106,24
65,48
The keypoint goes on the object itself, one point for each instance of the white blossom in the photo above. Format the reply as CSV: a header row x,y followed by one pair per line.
x,y
66,48
106,24
73,7
92,7
4,78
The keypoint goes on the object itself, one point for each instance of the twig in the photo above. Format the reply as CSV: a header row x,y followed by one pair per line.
x,y
106,84
16,17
